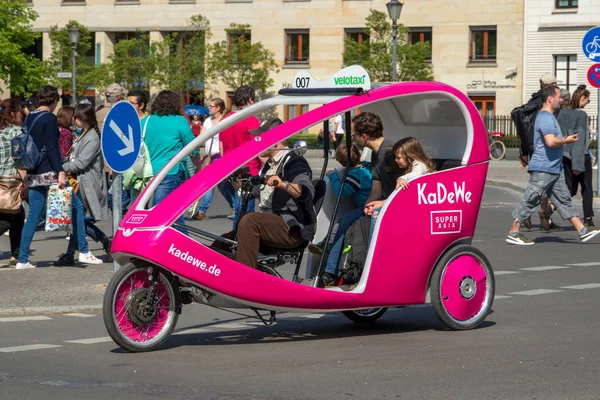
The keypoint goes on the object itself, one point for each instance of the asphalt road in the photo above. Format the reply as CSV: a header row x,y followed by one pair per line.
x,y
540,343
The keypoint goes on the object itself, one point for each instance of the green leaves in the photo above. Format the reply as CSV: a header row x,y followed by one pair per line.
x,y
21,72
375,54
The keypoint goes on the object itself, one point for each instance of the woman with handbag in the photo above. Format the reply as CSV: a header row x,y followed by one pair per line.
x,y
85,171
12,190
43,127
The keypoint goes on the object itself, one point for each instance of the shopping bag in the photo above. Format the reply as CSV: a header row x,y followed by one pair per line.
x,y
58,211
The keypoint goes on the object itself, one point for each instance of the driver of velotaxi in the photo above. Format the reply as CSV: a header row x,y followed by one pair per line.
x,y
288,216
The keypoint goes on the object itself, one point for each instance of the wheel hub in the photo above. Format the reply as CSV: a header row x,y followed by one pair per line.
x,y
138,310
468,288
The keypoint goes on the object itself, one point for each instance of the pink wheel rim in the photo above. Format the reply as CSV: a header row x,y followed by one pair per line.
x,y
132,331
463,288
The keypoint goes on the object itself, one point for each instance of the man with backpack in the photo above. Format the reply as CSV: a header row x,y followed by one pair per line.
x,y
524,119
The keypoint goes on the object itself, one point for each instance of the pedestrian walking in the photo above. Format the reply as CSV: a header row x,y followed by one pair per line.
x,y
167,132
65,128
85,169
43,128
213,150
339,130
545,168
11,180
577,161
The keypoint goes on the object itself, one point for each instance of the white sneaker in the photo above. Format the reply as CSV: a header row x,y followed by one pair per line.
x,y
26,265
89,258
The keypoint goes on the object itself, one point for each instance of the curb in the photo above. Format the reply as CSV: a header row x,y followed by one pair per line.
x,y
48,310
505,185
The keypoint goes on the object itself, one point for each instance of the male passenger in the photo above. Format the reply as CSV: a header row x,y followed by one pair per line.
x,y
545,168
138,100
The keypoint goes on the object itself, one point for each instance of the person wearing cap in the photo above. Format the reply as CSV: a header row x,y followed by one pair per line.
x,y
565,95
114,93
30,104
288,218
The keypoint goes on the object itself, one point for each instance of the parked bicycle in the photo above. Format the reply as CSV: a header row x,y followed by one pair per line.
x,y
497,147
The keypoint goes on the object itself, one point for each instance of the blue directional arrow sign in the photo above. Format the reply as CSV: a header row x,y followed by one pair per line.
x,y
591,44
121,136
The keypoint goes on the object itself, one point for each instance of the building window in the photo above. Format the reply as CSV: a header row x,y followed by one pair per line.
x,y
565,69
421,35
69,2
486,105
230,101
297,45
567,3
292,111
357,35
483,43
236,37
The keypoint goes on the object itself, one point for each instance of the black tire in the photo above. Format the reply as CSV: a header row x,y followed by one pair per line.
x,y
497,150
456,295
365,316
133,319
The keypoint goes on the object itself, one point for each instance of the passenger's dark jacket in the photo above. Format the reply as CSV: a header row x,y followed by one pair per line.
x,y
524,119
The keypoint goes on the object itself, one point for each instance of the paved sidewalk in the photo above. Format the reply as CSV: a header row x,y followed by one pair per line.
x,y
49,289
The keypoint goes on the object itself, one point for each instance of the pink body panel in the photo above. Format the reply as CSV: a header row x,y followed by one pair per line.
x,y
414,230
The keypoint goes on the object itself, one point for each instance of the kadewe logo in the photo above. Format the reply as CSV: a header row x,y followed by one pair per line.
x,y
443,222
349,80
136,219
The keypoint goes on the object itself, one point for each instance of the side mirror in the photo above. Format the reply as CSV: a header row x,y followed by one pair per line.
x,y
300,147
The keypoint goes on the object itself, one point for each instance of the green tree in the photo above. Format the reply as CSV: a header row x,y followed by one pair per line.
x,y
237,61
180,57
61,58
375,54
131,63
21,72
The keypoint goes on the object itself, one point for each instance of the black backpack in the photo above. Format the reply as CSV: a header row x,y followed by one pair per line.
x,y
24,151
524,119
354,255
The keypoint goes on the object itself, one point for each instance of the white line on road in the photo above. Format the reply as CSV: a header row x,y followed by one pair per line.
x,y
584,286
588,264
103,339
500,297
80,315
496,273
535,292
229,326
545,268
20,319
191,331
28,347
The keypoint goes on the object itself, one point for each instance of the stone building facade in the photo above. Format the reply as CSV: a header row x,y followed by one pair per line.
x,y
476,44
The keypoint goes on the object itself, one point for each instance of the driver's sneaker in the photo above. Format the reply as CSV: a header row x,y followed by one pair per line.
x,y
519,239
26,265
590,232
89,258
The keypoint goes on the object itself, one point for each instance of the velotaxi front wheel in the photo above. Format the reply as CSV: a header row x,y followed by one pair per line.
x,y
137,317
462,288
366,315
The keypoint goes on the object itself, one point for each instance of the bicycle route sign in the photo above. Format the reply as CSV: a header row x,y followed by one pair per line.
x,y
121,137
593,75
591,44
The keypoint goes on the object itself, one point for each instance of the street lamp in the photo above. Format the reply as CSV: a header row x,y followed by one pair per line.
x,y
394,9
74,38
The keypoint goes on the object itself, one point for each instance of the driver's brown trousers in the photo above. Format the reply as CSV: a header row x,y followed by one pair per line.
x,y
270,230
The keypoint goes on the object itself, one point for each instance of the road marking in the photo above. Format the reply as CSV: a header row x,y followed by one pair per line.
x,y
103,339
312,316
80,315
229,326
545,268
500,297
28,347
496,273
589,264
584,286
535,292
19,319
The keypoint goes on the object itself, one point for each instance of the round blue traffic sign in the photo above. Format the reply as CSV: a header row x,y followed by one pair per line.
x,y
591,44
121,137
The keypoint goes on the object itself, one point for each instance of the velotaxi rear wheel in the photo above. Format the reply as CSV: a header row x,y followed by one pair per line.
x,y
366,315
462,288
133,322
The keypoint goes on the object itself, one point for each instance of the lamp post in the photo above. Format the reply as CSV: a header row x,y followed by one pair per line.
x,y
74,38
394,8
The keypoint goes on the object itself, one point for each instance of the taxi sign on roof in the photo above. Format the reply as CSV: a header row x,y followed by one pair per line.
x,y
353,76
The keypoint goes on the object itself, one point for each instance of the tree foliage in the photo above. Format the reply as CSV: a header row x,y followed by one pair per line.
x,y
21,72
237,61
61,58
375,54
180,58
131,64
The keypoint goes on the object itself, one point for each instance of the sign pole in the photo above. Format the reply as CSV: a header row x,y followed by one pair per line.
x,y
597,144
117,201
